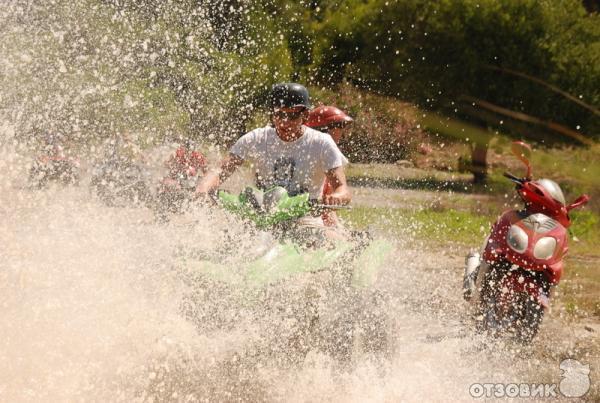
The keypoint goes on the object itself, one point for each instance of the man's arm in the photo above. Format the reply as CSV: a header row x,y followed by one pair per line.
x,y
341,192
213,179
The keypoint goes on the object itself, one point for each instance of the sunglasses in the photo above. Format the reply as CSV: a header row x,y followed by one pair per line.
x,y
283,115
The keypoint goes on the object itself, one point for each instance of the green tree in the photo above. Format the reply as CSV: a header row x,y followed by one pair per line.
x,y
494,63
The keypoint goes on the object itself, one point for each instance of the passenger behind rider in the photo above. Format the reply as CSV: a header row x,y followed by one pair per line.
x,y
287,153
336,123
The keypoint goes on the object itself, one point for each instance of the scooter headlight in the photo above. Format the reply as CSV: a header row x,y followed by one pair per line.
x,y
517,239
544,248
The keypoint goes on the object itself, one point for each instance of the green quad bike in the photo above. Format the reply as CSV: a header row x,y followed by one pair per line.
x,y
302,291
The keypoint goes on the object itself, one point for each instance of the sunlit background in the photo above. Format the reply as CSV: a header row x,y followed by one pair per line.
x,y
95,299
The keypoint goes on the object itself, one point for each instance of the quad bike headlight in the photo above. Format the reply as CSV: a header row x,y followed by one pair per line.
x,y
544,248
517,239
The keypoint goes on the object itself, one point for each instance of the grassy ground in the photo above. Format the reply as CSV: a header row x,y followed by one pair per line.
x,y
461,227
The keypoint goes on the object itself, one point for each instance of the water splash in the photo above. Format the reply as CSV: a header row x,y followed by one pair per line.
x,y
94,301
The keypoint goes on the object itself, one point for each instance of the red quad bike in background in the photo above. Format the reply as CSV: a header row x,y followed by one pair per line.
x,y
185,169
522,258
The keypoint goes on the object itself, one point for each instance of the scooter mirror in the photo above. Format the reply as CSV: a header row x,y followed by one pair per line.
x,y
580,201
523,152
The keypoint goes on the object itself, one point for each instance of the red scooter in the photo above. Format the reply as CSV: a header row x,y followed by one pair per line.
x,y
522,259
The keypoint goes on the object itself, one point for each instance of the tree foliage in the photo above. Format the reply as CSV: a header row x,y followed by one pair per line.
x,y
94,68
447,53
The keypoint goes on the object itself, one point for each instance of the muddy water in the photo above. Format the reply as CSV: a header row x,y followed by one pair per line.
x,y
92,308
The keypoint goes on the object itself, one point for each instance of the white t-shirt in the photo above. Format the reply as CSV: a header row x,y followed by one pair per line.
x,y
298,166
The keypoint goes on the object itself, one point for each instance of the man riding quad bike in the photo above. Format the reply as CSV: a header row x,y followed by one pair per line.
x,y
287,153
329,274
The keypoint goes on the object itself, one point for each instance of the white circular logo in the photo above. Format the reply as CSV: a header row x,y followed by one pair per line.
x,y
575,378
